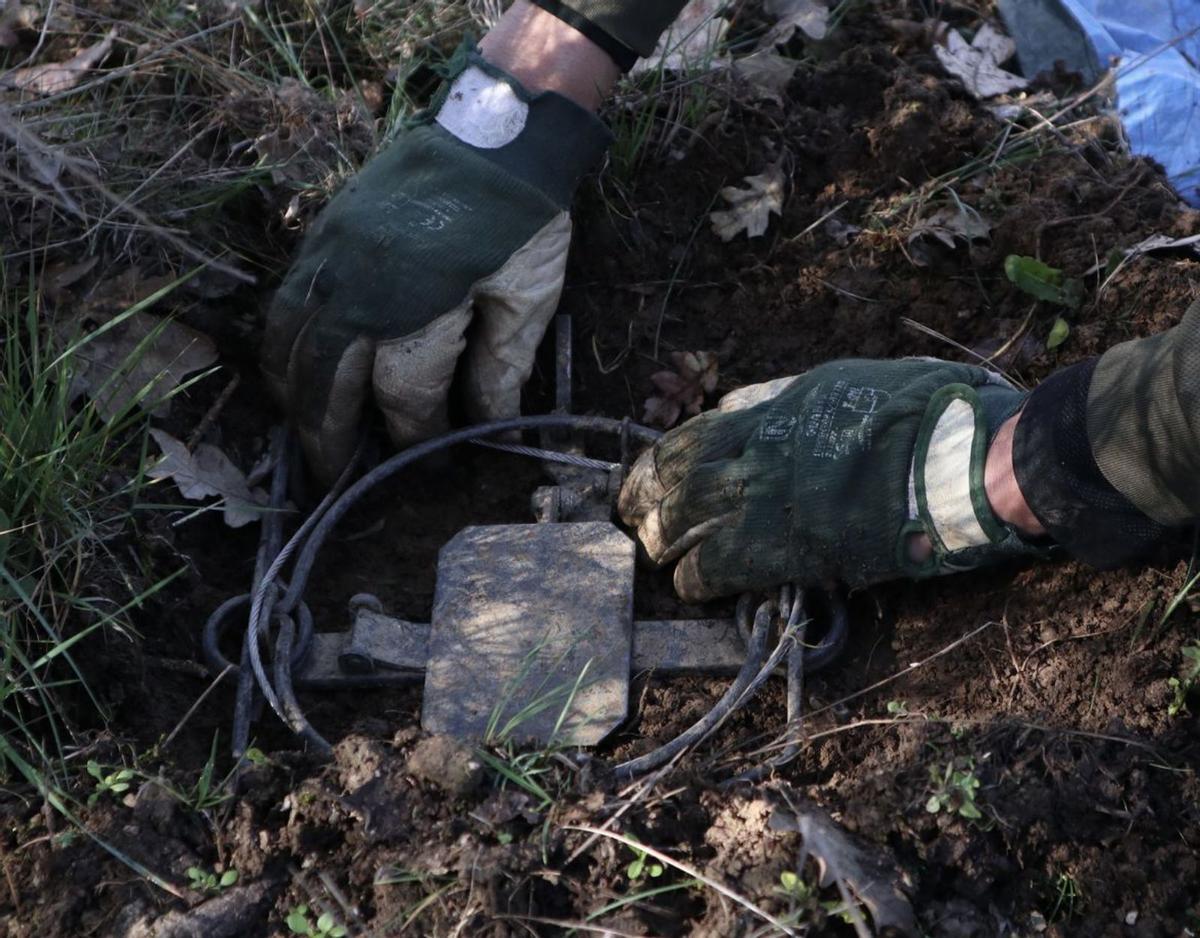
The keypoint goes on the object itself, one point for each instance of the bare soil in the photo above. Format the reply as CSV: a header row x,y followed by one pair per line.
x,y
1048,682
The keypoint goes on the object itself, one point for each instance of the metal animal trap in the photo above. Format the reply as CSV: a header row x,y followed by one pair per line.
x,y
532,634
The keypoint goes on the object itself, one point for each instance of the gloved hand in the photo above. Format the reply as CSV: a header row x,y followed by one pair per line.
x,y
825,477
461,222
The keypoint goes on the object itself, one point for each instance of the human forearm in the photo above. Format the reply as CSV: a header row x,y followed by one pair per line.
x,y
1000,482
545,54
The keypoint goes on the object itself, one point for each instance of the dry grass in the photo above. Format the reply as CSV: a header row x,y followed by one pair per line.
x,y
207,125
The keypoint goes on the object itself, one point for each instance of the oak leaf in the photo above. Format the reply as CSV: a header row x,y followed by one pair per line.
x,y
681,391
750,208
133,359
977,64
207,472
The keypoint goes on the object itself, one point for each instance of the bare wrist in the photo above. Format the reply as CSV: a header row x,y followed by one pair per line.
x,y
1000,482
545,54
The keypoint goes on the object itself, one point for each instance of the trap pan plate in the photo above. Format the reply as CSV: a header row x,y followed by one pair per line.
x,y
532,633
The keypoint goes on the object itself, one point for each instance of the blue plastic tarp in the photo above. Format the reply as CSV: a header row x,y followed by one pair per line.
x,y
1154,48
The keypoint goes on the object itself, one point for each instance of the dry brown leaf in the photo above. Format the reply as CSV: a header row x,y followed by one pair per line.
x,y
681,391
766,73
811,17
977,64
169,352
121,291
750,208
690,43
57,277
840,859
55,77
949,225
205,473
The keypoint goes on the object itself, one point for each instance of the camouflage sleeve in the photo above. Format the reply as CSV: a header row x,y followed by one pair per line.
x,y
625,29
1143,420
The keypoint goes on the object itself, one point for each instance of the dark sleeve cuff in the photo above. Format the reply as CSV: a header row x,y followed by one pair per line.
x,y
626,29
1058,475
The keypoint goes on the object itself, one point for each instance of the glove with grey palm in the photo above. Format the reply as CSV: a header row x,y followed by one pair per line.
x,y
461,222
826,477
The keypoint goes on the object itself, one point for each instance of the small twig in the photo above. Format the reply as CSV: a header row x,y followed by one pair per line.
x,y
210,417
942,337
961,640
691,871
196,706
1013,339
179,666
643,786
12,889
817,224
350,911
564,924
844,292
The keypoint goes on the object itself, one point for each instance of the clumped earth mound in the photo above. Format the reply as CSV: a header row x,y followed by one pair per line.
x,y
1006,742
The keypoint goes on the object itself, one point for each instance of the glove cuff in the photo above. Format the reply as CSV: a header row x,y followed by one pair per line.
x,y
544,139
947,496
626,31
1057,471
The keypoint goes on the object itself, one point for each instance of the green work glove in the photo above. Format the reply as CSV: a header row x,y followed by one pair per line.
x,y
826,477
461,222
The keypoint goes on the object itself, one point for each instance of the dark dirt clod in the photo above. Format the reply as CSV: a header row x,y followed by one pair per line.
x,y
448,763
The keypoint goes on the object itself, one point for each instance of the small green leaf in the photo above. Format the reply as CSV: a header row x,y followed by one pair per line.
x,y
228,878
655,870
297,921
194,873
256,756
634,870
1058,333
934,804
337,932
789,880
1029,275
967,809
94,770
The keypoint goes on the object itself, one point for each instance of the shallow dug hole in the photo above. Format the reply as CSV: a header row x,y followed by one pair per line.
x,y
1047,685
